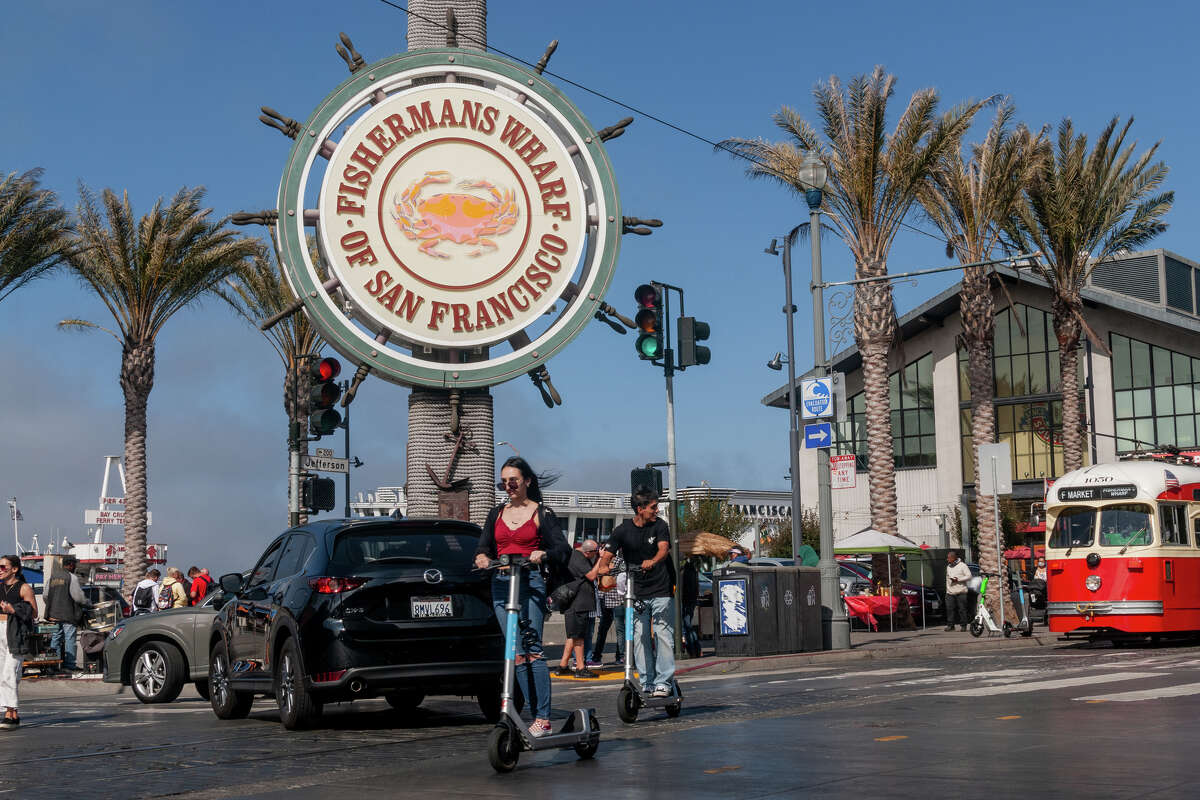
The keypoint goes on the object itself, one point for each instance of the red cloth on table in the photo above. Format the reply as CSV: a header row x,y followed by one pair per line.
x,y
865,607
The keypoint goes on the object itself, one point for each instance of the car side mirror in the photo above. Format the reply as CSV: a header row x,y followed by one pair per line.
x,y
231,583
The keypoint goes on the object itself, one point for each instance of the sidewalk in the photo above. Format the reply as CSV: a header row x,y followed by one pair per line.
x,y
864,645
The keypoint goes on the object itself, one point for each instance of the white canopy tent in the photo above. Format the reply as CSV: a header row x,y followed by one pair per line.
x,y
870,541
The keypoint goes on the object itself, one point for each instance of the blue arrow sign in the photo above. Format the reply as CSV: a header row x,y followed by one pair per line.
x,y
818,435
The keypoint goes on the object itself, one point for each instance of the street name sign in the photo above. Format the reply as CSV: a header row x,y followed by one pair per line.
x,y
322,464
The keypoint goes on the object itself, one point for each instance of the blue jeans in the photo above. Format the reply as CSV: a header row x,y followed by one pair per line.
x,y
63,642
533,677
654,628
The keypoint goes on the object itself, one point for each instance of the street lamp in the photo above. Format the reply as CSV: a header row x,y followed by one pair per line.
x,y
793,431
812,175
509,444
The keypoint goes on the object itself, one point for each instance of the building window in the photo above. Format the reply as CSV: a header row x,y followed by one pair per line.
x,y
913,437
598,528
1156,395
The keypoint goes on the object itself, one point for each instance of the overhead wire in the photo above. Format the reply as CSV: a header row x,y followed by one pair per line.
x,y
619,103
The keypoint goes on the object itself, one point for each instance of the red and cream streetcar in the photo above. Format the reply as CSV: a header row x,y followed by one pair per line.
x,y
1122,554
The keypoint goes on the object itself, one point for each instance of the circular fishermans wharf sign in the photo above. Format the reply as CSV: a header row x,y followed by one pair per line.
x,y
466,218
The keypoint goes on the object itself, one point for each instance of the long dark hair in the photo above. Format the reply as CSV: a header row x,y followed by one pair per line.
x,y
16,562
536,482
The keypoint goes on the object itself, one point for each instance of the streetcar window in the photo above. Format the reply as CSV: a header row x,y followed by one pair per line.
x,y
1073,527
1124,525
1173,522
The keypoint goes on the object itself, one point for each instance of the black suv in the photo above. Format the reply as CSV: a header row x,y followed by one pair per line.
x,y
346,609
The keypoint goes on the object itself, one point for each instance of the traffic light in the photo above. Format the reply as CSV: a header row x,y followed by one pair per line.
x,y
322,418
317,494
647,479
649,322
690,332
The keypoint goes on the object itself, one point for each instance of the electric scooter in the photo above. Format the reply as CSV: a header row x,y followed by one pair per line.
x,y
1021,602
983,619
511,734
632,699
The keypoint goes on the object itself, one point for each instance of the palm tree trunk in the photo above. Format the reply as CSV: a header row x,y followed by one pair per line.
x,y
977,310
1068,331
874,330
137,379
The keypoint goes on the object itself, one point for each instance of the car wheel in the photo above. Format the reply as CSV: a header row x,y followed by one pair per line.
x,y
297,707
156,672
202,689
226,703
405,700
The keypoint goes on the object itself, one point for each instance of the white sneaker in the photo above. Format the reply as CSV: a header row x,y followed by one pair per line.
x,y
661,691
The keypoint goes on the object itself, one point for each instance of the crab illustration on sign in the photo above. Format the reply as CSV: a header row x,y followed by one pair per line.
x,y
457,218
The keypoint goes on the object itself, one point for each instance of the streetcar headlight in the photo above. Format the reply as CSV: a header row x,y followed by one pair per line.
x,y
1092,582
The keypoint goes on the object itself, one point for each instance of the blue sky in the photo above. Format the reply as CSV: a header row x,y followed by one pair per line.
x,y
151,96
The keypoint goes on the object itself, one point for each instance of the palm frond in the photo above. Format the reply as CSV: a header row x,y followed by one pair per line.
x,y
34,231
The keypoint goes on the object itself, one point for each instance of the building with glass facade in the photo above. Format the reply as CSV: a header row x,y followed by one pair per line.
x,y
1140,391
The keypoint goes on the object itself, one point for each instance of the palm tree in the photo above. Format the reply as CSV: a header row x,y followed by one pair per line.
x,y
34,231
874,179
258,292
144,270
1080,208
970,202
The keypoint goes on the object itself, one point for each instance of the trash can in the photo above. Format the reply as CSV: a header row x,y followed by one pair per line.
x,y
788,609
747,623
808,600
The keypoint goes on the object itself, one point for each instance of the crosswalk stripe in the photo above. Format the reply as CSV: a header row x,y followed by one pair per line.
x,y
1182,690
1038,686
871,673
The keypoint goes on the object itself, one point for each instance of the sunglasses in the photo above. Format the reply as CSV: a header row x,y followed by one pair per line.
x,y
512,483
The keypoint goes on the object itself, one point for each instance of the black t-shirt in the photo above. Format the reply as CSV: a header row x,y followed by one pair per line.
x,y
640,544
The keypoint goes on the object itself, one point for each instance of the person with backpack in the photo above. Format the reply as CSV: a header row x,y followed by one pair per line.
x,y
201,585
173,593
145,594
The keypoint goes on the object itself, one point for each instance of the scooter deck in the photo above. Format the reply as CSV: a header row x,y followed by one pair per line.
x,y
577,729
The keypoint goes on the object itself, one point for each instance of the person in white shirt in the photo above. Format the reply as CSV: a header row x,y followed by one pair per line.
x,y
145,594
957,575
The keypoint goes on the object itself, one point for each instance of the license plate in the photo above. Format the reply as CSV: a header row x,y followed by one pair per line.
x,y
426,607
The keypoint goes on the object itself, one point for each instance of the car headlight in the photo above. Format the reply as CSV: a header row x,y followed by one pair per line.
x,y
1093,582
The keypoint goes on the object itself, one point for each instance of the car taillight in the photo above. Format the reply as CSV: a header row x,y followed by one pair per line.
x,y
335,585
328,677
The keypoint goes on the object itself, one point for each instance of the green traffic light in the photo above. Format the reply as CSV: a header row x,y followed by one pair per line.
x,y
649,346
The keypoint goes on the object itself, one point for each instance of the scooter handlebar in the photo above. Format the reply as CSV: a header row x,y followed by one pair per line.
x,y
507,560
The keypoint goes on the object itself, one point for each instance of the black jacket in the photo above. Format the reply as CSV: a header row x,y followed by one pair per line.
x,y
550,539
20,627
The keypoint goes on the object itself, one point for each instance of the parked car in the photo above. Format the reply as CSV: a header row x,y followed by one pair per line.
x,y
342,610
157,654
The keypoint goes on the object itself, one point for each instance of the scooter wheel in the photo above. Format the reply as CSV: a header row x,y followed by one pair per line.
x,y
673,709
976,629
627,705
588,750
1008,630
1027,631
503,749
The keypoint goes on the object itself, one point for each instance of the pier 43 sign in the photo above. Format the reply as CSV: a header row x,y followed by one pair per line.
x,y
466,213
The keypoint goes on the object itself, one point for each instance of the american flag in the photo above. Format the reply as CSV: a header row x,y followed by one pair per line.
x,y
1172,481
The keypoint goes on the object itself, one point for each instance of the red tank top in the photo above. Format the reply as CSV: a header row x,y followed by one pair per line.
x,y
519,542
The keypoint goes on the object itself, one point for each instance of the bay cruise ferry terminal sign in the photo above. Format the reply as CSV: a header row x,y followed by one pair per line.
x,y
452,216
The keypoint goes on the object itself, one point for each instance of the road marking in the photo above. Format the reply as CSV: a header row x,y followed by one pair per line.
x,y
889,738
871,673
719,770
1182,690
1000,675
1038,686
1010,716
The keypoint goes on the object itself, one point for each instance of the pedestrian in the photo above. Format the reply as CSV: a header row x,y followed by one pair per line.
x,y
689,597
582,568
16,626
201,586
645,541
957,575
611,607
1040,572
172,593
738,556
65,602
145,594
525,526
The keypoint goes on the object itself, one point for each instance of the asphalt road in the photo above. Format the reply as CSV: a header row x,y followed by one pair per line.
x,y
1058,722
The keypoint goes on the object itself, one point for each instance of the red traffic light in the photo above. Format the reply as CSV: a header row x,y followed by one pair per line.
x,y
327,370
647,296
